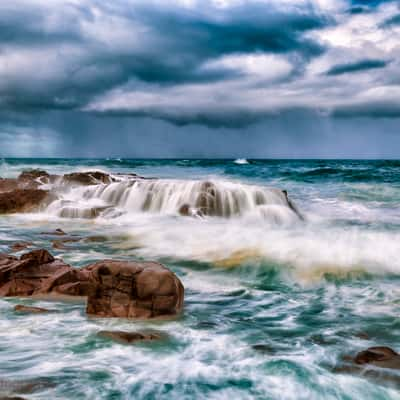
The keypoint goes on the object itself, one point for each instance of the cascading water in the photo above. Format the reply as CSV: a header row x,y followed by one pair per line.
x,y
201,198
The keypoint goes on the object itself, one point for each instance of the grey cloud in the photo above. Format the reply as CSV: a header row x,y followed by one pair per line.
x,y
358,66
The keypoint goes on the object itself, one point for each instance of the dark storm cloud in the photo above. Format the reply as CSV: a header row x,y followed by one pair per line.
x,y
176,44
358,66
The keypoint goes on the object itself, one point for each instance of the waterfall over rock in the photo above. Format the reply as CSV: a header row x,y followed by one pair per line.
x,y
211,198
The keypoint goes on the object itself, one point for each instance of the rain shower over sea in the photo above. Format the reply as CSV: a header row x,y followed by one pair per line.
x,y
288,267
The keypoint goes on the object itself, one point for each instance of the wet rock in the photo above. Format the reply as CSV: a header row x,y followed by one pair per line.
x,y
18,246
7,185
380,356
33,178
24,200
134,290
30,309
87,178
130,337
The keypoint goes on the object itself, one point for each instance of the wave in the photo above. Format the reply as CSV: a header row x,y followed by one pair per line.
x,y
241,161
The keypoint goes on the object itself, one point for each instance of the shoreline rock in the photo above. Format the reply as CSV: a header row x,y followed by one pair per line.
x,y
124,289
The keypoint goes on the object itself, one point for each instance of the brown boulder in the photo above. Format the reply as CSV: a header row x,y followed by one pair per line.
x,y
130,337
23,200
134,290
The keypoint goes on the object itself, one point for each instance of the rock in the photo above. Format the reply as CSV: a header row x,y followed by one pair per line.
x,y
18,246
37,272
29,309
114,288
33,178
383,357
7,185
130,337
60,243
134,290
87,178
24,200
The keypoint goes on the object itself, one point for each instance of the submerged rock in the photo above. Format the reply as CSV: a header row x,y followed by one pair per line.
x,y
18,246
30,309
134,290
130,337
24,200
383,357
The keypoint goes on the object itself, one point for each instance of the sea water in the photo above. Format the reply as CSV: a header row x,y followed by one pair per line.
x,y
272,301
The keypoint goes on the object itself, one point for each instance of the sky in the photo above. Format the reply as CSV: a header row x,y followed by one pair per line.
x,y
200,78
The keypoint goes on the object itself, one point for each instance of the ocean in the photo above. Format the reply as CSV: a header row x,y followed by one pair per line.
x,y
273,302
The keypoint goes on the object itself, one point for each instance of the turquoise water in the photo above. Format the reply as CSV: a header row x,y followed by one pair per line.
x,y
270,308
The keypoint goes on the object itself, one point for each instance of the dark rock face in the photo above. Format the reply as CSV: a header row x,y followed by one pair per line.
x,y
24,200
134,290
29,309
383,357
130,337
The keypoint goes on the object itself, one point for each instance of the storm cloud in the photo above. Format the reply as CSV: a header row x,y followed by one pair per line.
x,y
211,64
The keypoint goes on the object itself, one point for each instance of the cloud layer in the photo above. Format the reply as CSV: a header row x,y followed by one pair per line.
x,y
213,63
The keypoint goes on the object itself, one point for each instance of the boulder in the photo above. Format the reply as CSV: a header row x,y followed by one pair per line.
x,y
123,289
24,200
133,290
130,337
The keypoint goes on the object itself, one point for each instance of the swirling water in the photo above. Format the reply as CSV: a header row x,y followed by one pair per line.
x,y
271,305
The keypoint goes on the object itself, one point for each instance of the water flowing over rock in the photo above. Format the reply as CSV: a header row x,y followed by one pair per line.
x,y
380,356
20,308
134,290
178,197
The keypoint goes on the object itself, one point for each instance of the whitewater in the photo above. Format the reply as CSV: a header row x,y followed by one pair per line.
x,y
287,265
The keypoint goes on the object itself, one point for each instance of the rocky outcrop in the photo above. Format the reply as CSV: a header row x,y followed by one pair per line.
x,y
123,289
134,290
24,200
